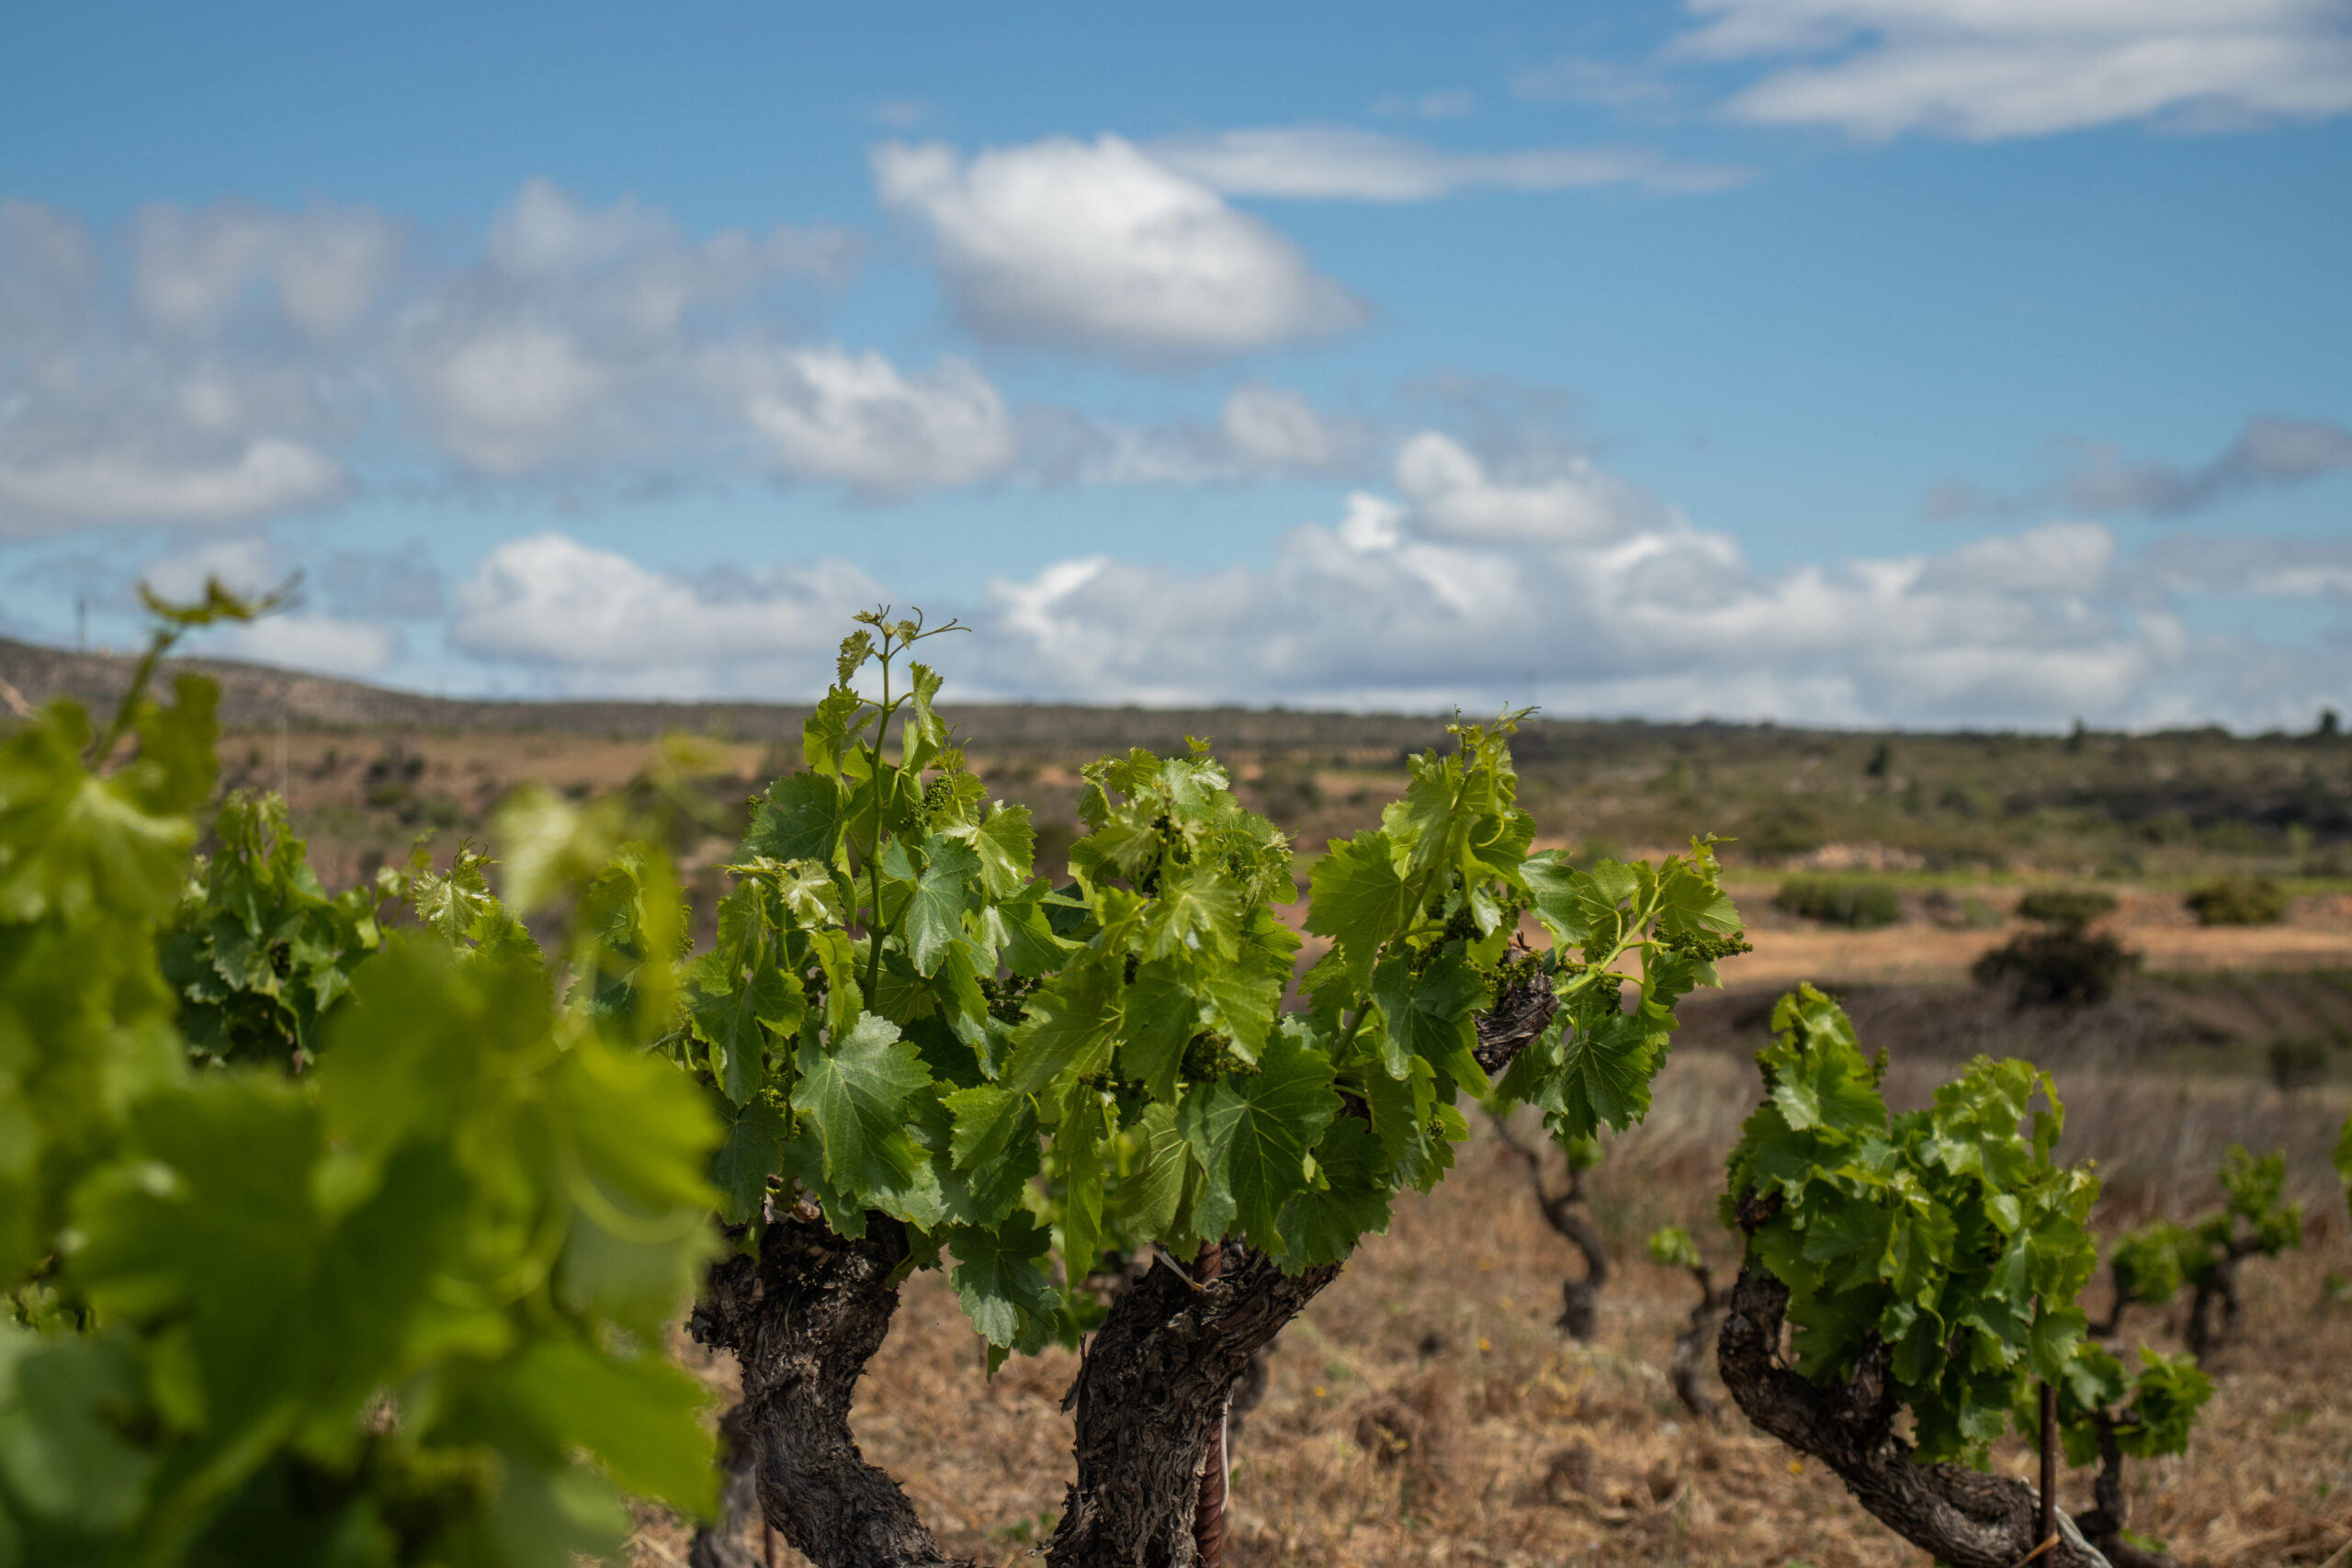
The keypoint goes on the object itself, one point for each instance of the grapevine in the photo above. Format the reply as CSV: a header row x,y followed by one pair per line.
x,y
379,1312
1929,1264
346,1227
930,1057
1671,1246
2150,1265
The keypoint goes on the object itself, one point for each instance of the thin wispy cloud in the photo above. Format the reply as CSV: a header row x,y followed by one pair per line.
x,y
2269,453
1337,164
1991,70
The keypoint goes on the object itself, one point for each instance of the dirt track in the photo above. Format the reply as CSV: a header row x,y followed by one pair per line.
x,y
2316,935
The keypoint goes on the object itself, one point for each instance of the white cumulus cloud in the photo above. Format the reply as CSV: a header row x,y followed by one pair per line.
x,y
1100,247
1280,429
597,620
222,370
1473,590
576,340
1584,594
1989,69
1455,497
248,564
263,478
1259,431
827,414
326,643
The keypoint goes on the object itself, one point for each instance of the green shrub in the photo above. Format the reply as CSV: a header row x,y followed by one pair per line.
x,y
2239,901
1863,906
2057,966
1784,831
2065,906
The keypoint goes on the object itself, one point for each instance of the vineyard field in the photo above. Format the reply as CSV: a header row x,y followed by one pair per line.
x,y
1452,1313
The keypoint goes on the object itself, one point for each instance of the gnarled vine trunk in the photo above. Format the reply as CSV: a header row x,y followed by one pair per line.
x,y
2105,1523
720,1544
1519,1015
1686,1371
803,1320
1151,1396
1963,1516
2216,1288
1564,1213
1152,1391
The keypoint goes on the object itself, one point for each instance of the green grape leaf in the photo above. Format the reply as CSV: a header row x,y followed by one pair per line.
x,y
1433,1016
1158,1018
1028,944
1152,1199
1251,1134
1071,1022
999,1277
1195,911
934,916
1400,1110
64,1457
845,1000
1670,1246
1689,901
2167,1395
831,730
1078,1148
1323,1223
857,1096
1606,1066
1007,845
989,1119
752,1153
802,818
1244,1001
1360,900
982,1158
639,1417
730,1021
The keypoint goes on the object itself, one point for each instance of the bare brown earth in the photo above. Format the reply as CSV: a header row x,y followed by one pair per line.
x,y
2316,934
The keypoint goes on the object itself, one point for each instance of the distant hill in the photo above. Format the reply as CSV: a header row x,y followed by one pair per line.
x,y
259,697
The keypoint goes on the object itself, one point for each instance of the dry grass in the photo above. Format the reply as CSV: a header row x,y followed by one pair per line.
x,y
1527,1450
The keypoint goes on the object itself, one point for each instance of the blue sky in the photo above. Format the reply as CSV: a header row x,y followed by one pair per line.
x,y
1910,361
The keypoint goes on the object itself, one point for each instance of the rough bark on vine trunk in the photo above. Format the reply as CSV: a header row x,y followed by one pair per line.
x,y
1149,1397
1965,1517
2217,1286
1684,1371
1208,1517
720,1544
805,1317
803,1320
1520,1014
1564,1213
2105,1523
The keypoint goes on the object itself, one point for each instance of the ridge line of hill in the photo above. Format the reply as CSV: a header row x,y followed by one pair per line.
x,y
261,696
